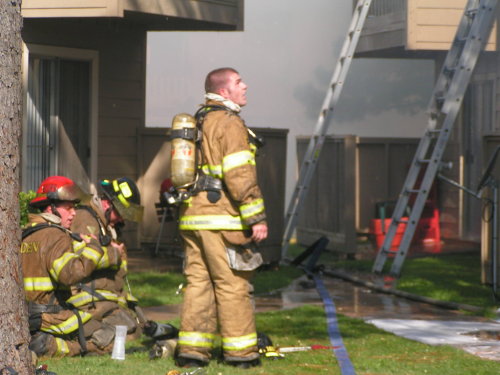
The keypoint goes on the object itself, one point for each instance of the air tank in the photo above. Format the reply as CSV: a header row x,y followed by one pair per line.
x,y
183,154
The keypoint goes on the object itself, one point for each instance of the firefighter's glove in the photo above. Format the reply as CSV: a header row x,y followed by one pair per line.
x,y
35,322
160,331
163,349
270,352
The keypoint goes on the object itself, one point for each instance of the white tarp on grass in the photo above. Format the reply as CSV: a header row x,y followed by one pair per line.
x,y
448,332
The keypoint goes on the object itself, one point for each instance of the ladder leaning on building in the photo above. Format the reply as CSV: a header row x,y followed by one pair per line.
x,y
470,39
316,143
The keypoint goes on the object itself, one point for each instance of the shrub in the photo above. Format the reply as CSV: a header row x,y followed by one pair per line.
x,y
24,207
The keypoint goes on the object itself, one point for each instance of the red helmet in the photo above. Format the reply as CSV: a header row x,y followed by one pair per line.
x,y
166,185
57,189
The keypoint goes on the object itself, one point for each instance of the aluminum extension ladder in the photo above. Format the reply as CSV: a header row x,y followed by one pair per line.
x,y
471,37
316,143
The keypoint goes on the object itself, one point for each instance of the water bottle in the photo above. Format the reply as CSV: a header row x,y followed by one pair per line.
x,y
119,344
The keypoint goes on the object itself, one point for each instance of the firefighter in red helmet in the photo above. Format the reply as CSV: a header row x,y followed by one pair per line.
x,y
53,259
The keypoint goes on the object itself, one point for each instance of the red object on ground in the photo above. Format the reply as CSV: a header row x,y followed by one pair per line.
x,y
428,231
379,227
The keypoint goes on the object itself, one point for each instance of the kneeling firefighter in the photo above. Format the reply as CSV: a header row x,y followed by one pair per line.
x,y
217,215
51,266
106,294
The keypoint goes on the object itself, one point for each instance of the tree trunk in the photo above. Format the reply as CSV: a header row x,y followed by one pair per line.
x,y
14,333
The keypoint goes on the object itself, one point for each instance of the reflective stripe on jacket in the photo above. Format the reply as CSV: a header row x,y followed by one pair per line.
x,y
108,280
68,326
41,284
83,298
49,262
227,155
211,222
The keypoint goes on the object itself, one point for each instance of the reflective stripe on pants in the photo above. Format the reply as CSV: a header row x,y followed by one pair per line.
x,y
209,280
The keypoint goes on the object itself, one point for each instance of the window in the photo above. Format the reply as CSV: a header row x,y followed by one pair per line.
x,y
59,125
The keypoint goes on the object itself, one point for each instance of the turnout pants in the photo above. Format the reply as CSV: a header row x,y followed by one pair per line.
x,y
98,340
216,296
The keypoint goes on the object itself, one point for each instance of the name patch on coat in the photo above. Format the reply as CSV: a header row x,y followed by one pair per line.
x,y
29,247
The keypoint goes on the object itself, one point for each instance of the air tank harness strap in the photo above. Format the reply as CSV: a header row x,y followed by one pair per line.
x,y
91,290
211,185
36,227
253,138
206,109
38,308
190,134
81,335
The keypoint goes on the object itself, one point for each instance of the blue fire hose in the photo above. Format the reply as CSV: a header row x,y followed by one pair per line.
x,y
346,367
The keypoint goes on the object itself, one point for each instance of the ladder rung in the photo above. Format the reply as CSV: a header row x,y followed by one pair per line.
x,y
439,100
471,12
449,70
385,251
413,191
424,161
433,132
399,221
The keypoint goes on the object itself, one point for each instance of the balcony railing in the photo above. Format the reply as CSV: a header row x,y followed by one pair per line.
x,y
383,7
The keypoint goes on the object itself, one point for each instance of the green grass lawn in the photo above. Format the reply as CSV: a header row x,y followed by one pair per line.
x,y
157,288
450,278
372,351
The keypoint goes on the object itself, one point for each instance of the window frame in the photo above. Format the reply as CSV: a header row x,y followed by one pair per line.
x,y
91,56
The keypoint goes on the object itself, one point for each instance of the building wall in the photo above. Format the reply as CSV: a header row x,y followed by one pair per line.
x,y
121,101
417,25
432,24
353,175
221,11
458,208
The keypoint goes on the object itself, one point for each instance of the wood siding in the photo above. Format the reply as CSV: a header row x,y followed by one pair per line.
x,y
75,8
216,11
420,26
432,24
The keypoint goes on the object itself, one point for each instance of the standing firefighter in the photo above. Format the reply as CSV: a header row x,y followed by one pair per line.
x,y
220,223
53,259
